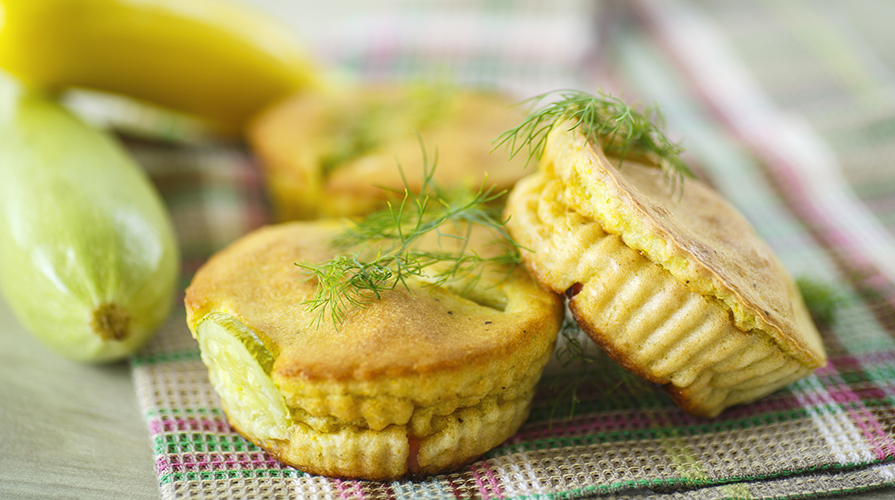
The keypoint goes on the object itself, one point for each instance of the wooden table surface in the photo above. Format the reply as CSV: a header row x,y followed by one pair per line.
x,y
68,430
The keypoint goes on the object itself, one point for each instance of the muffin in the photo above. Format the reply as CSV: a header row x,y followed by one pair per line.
x,y
673,284
337,153
419,381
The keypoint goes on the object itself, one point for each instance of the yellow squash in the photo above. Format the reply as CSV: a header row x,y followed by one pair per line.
x,y
214,59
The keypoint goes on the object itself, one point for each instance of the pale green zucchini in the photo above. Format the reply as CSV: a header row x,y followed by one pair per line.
x,y
88,256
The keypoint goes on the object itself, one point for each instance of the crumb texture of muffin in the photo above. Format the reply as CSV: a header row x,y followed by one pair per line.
x,y
414,383
674,285
331,154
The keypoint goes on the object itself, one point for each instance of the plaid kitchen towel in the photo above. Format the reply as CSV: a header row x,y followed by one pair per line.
x,y
786,109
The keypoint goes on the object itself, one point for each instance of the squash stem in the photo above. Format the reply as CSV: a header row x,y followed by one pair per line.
x,y
111,322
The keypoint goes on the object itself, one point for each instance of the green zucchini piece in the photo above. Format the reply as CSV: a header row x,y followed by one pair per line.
x,y
239,367
88,255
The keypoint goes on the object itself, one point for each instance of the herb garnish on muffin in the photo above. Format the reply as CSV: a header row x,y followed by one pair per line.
x,y
381,250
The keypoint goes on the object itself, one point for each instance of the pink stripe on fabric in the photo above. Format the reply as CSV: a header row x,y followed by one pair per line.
x,y
454,489
492,478
165,424
349,489
199,462
791,176
487,482
163,465
826,370
852,398
356,488
343,492
862,361
883,446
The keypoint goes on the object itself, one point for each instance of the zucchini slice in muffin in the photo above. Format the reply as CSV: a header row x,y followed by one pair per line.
x,y
674,285
419,381
330,154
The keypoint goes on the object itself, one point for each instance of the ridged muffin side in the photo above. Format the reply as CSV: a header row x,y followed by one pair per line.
x,y
643,316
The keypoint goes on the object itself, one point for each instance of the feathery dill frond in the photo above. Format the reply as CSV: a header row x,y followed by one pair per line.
x,y
621,130
382,251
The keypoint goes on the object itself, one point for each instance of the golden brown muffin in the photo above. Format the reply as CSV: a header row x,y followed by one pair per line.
x,y
418,382
332,154
675,286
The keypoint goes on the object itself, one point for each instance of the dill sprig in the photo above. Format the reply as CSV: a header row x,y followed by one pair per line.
x,y
383,251
621,130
